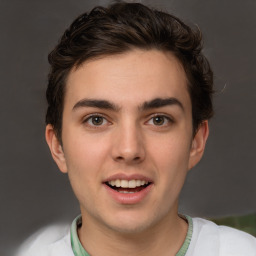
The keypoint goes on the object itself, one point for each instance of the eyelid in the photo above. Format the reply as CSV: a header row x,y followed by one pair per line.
x,y
85,118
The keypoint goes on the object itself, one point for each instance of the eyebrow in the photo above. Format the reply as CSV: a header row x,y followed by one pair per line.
x,y
104,104
160,102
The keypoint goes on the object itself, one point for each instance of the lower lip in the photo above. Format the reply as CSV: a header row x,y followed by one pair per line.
x,y
129,198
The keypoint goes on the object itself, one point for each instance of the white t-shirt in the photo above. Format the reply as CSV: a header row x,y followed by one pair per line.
x,y
208,239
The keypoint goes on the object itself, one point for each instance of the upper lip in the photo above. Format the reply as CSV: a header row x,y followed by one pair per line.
x,y
123,176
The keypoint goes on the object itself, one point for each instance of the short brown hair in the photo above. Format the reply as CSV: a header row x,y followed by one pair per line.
x,y
122,27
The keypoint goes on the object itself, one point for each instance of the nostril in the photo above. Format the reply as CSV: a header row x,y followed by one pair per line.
x,y
135,159
128,158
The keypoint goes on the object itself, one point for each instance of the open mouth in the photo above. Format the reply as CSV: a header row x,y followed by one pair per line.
x,y
125,186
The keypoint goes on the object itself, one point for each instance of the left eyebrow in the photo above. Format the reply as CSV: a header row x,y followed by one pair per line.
x,y
160,102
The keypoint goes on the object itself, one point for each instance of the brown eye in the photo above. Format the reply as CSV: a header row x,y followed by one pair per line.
x,y
158,120
97,120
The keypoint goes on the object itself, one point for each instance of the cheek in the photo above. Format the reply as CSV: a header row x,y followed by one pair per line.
x,y
171,152
85,155
171,159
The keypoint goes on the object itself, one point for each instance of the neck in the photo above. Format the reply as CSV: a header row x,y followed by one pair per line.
x,y
164,238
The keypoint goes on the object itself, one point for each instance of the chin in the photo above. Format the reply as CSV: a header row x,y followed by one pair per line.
x,y
131,224
130,228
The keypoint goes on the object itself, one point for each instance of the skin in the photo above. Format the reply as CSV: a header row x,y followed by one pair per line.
x,y
155,142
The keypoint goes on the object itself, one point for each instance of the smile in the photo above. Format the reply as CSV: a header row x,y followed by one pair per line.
x,y
127,187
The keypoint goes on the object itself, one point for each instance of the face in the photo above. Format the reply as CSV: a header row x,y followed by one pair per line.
x,y
127,138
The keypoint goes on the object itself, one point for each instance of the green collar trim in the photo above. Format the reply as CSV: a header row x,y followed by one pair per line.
x,y
184,247
78,249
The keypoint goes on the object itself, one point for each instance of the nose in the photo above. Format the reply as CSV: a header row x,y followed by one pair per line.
x,y
128,146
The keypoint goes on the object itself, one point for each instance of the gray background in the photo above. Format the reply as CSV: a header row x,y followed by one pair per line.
x,y
34,193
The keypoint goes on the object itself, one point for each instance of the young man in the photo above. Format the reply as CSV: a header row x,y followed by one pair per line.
x,y
129,96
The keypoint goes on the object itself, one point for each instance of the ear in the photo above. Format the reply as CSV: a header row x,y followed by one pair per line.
x,y
55,148
198,144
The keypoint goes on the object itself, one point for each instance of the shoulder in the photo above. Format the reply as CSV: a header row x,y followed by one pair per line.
x,y
223,240
235,241
53,240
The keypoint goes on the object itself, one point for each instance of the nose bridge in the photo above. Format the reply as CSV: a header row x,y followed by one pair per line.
x,y
129,143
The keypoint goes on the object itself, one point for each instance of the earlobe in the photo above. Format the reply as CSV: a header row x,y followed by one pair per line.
x,y
198,144
55,148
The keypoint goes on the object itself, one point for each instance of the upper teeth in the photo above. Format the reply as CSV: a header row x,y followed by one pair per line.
x,y
127,184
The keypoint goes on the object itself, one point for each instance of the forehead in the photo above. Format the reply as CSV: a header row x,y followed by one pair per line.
x,y
128,78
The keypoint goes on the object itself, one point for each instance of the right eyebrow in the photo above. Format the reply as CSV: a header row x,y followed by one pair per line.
x,y
102,104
